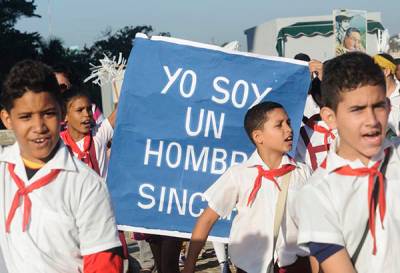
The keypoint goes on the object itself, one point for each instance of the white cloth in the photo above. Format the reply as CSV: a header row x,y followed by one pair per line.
x,y
102,134
333,209
394,115
70,217
311,108
316,139
251,235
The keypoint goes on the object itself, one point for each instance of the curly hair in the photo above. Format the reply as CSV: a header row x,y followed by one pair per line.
x,y
25,76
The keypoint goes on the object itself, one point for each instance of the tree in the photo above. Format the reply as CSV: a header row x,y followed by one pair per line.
x,y
14,44
120,41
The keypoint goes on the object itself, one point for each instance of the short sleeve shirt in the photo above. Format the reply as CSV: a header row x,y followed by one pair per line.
x,y
102,134
251,235
333,209
70,217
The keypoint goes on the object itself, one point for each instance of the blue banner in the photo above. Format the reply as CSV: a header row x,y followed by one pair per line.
x,y
180,126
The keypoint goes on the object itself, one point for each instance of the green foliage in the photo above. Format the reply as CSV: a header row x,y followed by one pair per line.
x,y
16,45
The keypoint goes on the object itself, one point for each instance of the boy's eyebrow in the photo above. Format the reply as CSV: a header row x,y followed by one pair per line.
x,y
360,107
42,111
379,103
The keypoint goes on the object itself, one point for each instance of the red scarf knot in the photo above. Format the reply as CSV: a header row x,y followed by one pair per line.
x,y
372,172
270,175
88,155
311,122
24,192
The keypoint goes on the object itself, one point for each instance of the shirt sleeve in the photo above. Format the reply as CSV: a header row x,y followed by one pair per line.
x,y
316,217
222,195
103,262
95,217
323,251
104,132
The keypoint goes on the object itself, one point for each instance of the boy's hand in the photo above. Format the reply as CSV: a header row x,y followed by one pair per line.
x,y
316,69
199,237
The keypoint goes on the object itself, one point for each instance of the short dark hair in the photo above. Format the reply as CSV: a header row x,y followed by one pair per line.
x,y
25,76
302,57
346,73
74,92
256,116
388,57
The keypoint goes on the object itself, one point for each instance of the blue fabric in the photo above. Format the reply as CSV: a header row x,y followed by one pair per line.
x,y
323,251
180,126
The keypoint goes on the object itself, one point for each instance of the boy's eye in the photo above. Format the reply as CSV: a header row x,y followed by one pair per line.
x,y
50,113
356,109
24,117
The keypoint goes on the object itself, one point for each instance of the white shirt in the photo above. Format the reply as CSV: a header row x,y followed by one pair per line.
x,y
333,209
394,115
315,139
251,235
101,136
311,107
70,217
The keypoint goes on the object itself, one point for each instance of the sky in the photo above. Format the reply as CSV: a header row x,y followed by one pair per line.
x,y
80,22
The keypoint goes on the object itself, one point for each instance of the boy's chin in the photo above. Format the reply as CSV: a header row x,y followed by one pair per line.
x,y
44,154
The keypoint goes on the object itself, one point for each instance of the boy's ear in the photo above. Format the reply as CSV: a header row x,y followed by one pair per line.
x,y
257,136
6,119
329,117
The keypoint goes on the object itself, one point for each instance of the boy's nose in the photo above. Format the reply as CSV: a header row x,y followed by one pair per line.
x,y
39,125
371,117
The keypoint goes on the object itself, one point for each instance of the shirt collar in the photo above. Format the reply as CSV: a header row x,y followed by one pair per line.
x,y
334,161
255,160
62,160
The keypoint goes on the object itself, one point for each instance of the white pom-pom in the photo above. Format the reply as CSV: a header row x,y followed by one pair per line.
x,y
109,71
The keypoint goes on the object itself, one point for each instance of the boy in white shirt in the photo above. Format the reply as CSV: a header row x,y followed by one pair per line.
x,y
85,139
253,188
55,212
315,135
348,212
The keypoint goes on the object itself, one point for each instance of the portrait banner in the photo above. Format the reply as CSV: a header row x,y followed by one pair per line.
x,y
350,31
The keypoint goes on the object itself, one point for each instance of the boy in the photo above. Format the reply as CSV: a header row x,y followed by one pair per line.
x,y
87,143
315,135
338,204
253,188
55,212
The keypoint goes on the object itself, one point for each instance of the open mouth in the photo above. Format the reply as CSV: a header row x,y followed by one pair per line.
x,y
41,141
289,139
87,123
373,136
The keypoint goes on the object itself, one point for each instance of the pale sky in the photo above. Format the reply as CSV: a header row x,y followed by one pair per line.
x,y
79,22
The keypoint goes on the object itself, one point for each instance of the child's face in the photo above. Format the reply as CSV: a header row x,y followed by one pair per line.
x,y
79,115
361,120
276,135
35,120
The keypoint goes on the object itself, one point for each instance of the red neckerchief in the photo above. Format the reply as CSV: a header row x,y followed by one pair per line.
x,y
24,192
88,155
270,175
313,150
372,173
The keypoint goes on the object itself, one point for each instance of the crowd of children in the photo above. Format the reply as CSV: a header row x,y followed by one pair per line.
x,y
331,208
